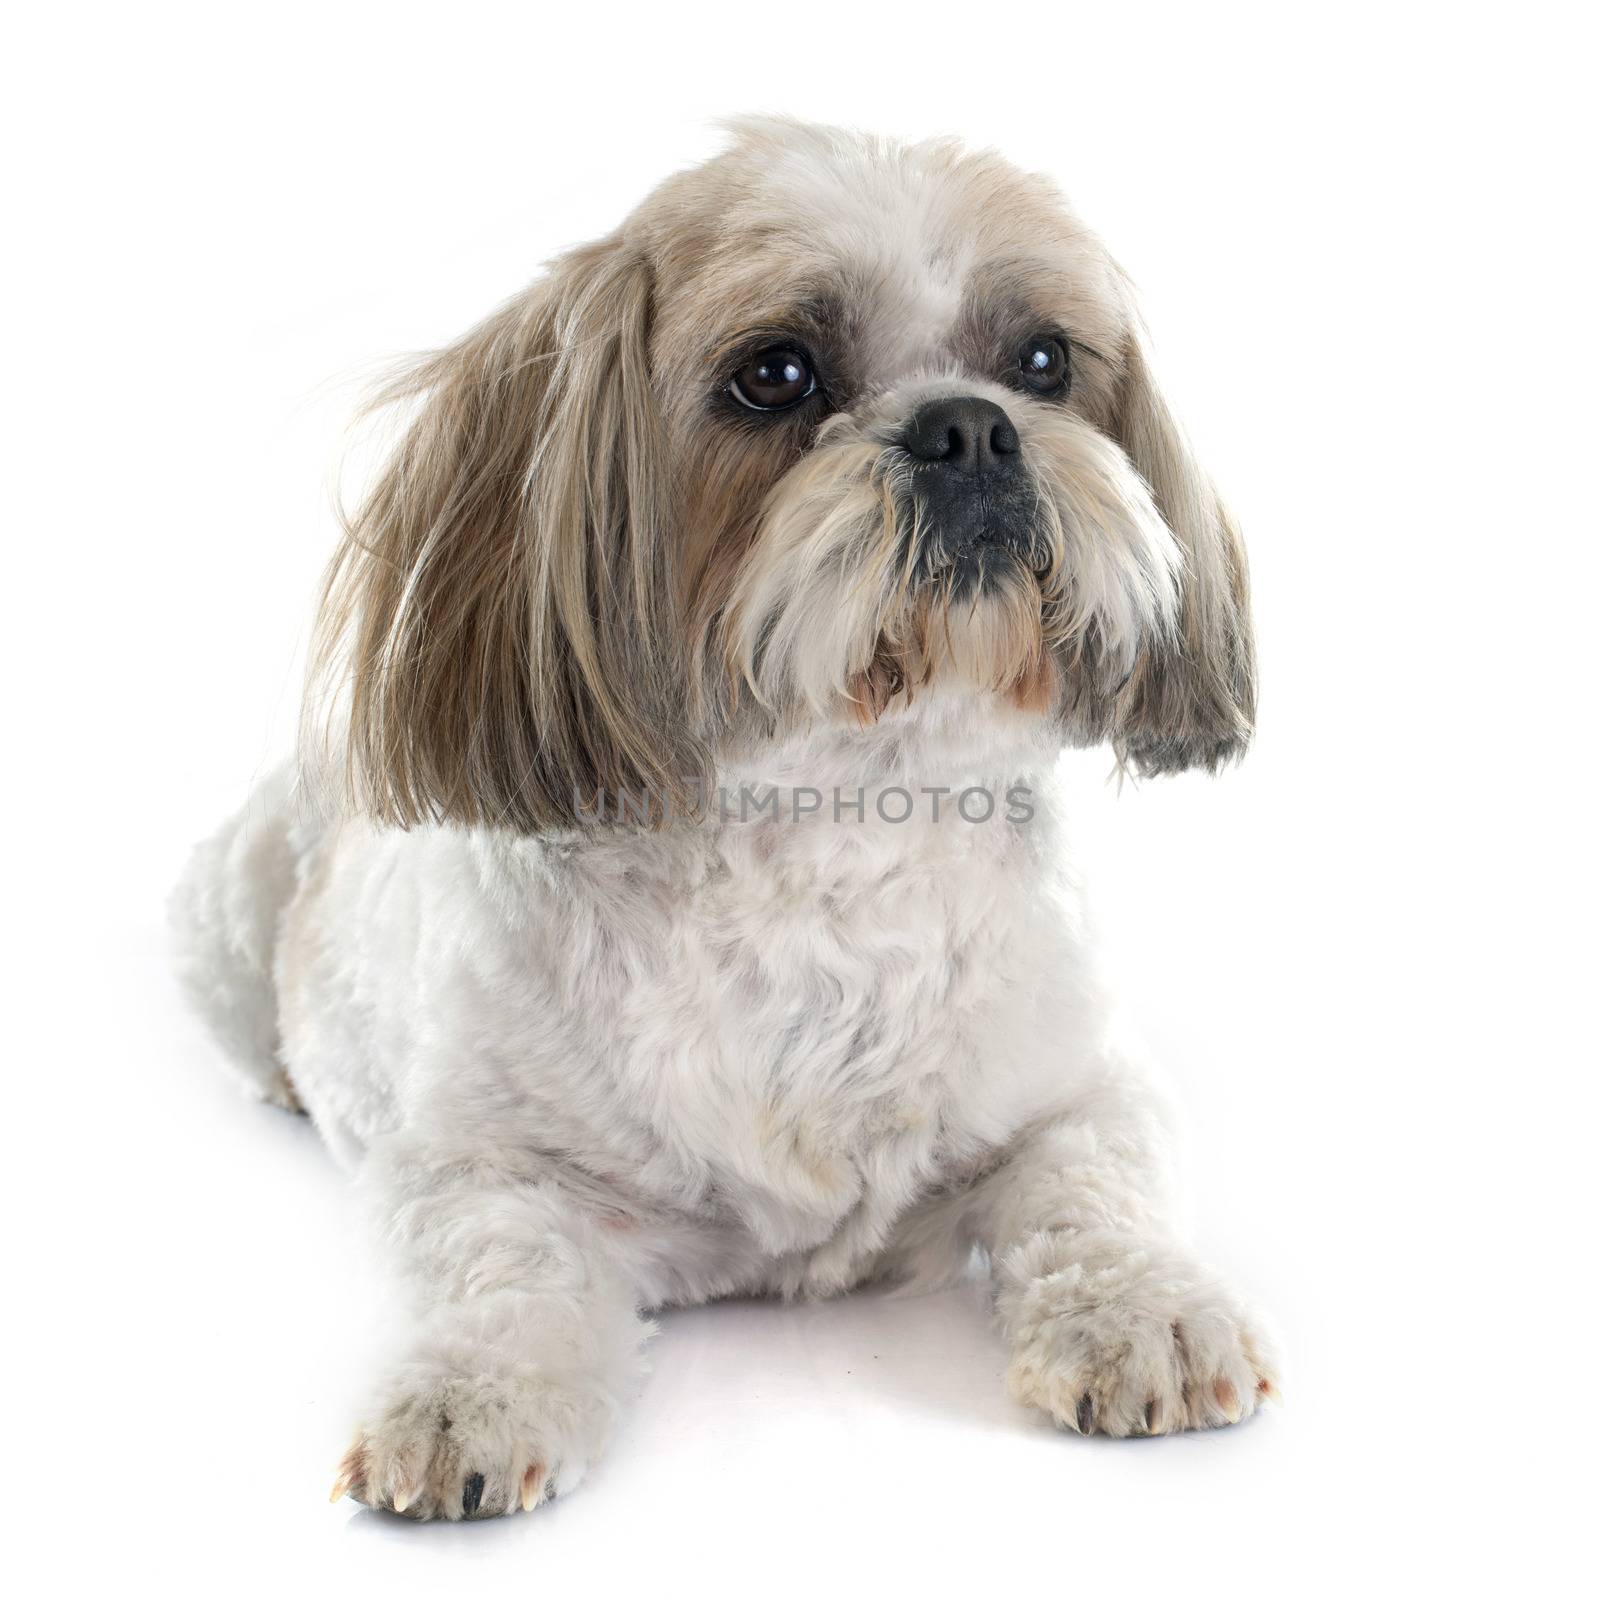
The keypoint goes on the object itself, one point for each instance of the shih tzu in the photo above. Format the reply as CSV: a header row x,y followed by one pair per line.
x,y
685,912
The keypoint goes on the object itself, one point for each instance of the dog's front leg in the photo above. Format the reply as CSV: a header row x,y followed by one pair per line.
x,y
1115,1328
521,1333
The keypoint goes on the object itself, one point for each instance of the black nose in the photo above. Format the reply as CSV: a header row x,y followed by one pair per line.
x,y
966,434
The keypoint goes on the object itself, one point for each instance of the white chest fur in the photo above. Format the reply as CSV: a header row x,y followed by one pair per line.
x,y
791,1023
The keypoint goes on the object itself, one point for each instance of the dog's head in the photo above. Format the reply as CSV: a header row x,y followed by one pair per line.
x,y
829,422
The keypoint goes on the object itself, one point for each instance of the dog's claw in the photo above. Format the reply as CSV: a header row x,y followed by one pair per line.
x,y
532,1486
1228,1398
1152,1414
400,1502
349,1470
472,1494
1086,1414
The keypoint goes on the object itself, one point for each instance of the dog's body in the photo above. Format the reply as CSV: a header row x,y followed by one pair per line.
x,y
834,1024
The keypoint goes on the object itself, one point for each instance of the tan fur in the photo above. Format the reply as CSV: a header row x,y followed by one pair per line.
x,y
1191,700
504,603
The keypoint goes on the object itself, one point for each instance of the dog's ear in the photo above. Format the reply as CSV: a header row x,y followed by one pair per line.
x,y
502,612
1190,701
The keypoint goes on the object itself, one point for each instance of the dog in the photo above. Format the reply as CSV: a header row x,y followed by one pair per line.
x,y
670,898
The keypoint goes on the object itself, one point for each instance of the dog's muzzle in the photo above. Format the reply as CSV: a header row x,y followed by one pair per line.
x,y
974,498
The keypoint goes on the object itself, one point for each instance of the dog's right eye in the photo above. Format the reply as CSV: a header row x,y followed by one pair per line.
x,y
774,380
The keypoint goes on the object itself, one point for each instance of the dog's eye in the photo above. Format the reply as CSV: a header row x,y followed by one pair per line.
x,y
774,380
1044,366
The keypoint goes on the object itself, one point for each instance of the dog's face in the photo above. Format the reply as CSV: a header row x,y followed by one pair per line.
x,y
826,424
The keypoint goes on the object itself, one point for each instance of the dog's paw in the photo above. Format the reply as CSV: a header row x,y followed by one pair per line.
x,y
447,1443
1132,1339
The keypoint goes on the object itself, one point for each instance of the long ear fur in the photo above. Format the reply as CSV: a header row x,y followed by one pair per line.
x,y
1192,696
502,609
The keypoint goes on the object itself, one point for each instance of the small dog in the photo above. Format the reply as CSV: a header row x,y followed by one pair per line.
x,y
692,917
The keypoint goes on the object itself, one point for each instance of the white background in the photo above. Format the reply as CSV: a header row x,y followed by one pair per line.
x,y
1364,235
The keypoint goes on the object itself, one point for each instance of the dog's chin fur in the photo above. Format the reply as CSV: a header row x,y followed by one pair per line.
x,y
846,597
838,1018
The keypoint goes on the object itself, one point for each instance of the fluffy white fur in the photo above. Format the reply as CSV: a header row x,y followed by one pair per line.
x,y
582,1073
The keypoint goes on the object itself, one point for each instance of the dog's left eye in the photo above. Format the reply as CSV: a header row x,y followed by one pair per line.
x,y
1044,365
774,380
